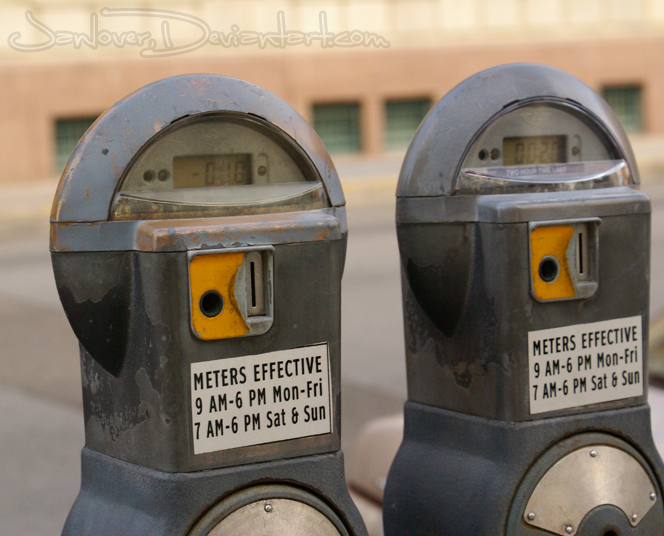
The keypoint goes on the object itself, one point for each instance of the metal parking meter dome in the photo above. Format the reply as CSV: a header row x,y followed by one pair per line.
x,y
198,238
524,248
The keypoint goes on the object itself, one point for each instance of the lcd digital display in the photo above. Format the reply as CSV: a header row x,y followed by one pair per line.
x,y
200,171
533,150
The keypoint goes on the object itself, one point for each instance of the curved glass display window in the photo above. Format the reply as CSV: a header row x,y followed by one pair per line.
x,y
542,146
218,165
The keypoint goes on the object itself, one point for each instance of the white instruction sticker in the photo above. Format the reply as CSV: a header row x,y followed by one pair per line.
x,y
585,364
258,399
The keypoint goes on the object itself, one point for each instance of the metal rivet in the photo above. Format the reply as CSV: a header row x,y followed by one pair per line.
x,y
593,453
634,517
531,516
268,508
569,529
652,496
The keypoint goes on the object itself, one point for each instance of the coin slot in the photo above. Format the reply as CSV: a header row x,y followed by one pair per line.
x,y
211,303
549,269
255,271
253,283
582,255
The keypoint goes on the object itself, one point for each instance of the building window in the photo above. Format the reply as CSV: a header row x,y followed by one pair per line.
x,y
338,125
402,117
68,132
626,104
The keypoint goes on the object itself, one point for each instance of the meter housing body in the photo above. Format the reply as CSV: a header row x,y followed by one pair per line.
x,y
198,238
521,235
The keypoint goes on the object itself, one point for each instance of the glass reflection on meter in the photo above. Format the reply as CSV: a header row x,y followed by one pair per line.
x,y
530,150
218,165
541,146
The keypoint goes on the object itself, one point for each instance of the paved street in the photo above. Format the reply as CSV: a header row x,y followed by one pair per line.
x,y
41,426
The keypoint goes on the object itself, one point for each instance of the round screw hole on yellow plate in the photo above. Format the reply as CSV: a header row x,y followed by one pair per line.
x,y
211,303
549,269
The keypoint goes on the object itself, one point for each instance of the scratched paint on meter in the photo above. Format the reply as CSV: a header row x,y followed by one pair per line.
x,y
585,364
252,400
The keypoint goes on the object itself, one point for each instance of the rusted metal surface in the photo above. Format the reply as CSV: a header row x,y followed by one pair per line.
x,y
199,233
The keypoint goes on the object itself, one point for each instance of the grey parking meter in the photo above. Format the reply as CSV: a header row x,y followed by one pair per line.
x,y
524,250
198,238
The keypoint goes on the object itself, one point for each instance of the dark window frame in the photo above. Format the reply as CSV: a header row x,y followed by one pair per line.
x,y
339,125
402,117
626,100
67,132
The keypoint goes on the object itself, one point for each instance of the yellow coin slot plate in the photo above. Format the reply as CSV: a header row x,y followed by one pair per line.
x,y
551,241
216,272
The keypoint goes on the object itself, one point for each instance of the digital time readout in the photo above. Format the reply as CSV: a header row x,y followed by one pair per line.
x,y
200,171
532,150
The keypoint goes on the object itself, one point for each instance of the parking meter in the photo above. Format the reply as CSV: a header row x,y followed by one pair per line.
x,y
524,249
198,238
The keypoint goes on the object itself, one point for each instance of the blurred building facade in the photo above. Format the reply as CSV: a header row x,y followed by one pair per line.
x,y
367,76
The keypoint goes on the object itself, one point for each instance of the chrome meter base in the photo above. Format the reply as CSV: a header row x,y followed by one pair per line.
x,y
584,474
120,499
270,510
483,476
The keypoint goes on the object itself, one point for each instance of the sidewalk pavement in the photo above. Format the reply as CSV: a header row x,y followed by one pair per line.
x,y
38,485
